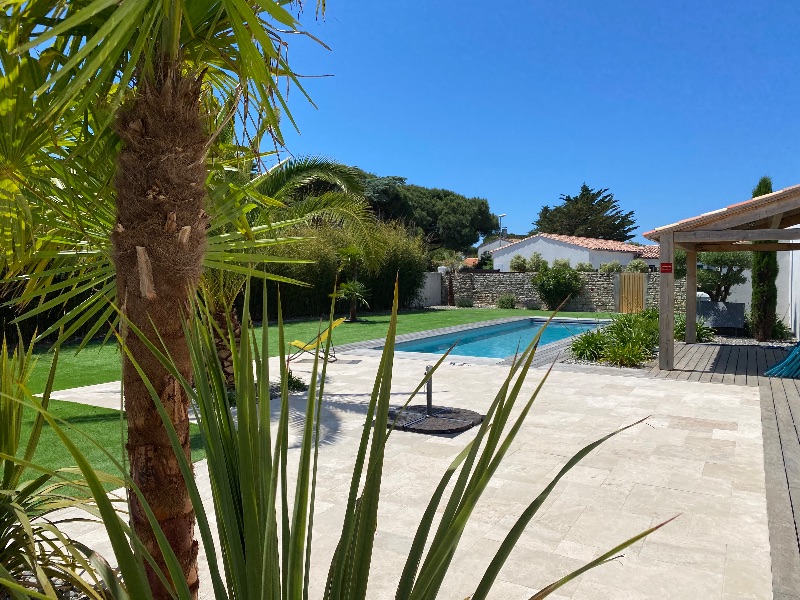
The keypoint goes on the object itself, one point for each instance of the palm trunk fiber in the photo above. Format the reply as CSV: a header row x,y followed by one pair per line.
x,y
159,242
222,341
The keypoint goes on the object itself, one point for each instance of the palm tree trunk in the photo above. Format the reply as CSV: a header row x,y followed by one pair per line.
x,y
221,341
159,242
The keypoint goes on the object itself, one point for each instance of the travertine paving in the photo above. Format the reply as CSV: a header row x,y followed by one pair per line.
x,y
699,456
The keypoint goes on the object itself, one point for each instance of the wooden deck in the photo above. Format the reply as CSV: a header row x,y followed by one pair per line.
x,y
721,363
780,420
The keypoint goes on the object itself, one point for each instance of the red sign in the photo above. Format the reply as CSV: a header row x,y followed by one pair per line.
x,y
666,267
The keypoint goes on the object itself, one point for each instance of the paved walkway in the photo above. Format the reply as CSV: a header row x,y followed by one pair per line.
x,y
699,456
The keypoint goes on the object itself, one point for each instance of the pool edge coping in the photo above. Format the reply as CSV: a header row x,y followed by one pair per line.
x,y
368,347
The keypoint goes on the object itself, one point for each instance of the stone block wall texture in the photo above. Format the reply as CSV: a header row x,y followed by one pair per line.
x,y
597,295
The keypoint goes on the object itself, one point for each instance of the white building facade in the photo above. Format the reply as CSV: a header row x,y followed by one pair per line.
x,y
575,249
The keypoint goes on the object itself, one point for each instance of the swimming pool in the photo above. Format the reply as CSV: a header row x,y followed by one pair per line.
x,y
497,341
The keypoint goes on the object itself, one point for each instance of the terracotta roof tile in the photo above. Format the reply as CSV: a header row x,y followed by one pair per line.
x,y
594,244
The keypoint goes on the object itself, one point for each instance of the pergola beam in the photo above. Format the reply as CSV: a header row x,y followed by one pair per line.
x,y
777,247
737,235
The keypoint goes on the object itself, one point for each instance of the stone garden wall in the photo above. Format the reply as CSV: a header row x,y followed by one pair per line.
x,y
598,293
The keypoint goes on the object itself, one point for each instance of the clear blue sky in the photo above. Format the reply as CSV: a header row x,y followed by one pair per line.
x,y
677,107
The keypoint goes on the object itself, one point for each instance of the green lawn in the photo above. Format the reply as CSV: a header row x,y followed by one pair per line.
x,y
101,364
101,425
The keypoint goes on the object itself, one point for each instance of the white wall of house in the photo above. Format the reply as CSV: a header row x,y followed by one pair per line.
x,y
492,246
744,291
788,283
551,249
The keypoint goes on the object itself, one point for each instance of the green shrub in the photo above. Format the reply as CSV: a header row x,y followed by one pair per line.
x,y
30,496
584,267
561,262
507,301
631,353
555,284
611,267
590,345
401,250
637,265
536,263
781,331
463,302
518,264
485,261
642,327
628,341
705,333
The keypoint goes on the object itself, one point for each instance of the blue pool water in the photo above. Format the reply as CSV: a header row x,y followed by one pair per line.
x,y
496,341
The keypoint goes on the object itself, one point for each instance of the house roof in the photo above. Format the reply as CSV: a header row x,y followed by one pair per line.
x,y
593,244
785,201
471,262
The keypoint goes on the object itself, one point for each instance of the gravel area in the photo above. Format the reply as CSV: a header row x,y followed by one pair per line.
x,y
743,341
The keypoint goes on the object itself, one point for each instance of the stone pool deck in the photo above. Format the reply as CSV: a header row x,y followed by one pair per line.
x,y
700,456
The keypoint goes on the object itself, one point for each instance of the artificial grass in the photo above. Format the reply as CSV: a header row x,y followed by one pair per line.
x,y
101,364
100,426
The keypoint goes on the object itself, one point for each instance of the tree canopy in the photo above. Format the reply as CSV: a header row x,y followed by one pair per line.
x,y
718,273
446,218
592,213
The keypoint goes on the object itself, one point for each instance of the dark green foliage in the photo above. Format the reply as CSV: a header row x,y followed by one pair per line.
x,y
507,301
536,263
628,353
485,261
704,333
295,383
402,252
449,219
463,302
562,263
765,272
627,341
611,267
445,218
590,346
720,271
592,213
518,263
637,265
556,283
584,267
780,331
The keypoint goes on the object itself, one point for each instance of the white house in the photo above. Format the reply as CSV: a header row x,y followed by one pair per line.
x,y
493,246
575,249
788,283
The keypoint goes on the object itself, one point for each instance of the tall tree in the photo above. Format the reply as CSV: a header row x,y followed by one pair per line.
x,y
764,300
592,213
151,65
719,273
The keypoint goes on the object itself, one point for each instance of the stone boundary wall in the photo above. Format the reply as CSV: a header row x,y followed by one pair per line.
x,y
598,293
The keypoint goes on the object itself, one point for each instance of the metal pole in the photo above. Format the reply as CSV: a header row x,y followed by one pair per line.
x,y
429,391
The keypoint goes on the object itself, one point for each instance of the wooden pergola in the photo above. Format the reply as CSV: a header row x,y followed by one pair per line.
x,y
730,229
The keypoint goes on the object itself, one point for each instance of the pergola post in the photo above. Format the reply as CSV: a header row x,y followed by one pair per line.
x,y
666,304
691,296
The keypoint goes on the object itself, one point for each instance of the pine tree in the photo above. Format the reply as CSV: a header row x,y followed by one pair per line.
x,y
592,213
765,271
